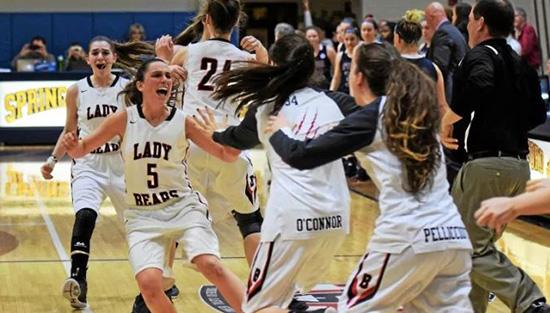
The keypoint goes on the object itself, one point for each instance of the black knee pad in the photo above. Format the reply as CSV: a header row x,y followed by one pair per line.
x,y
249,223
84,224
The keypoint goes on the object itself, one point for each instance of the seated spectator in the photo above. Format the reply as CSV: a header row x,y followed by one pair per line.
x,y
76,59
35,50
136,32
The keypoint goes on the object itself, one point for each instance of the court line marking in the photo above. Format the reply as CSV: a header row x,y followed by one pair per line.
x,y
63,257
126,260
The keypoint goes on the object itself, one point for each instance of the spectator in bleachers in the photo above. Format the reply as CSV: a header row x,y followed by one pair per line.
x,y
76,59
136,32
35,50
527,37
461,12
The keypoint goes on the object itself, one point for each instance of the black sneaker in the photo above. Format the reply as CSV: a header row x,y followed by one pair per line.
x,y
297,306
140,306
75,291
361,174
492,297
173,292
539,306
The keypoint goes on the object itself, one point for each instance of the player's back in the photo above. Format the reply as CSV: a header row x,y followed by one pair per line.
x,y
205,60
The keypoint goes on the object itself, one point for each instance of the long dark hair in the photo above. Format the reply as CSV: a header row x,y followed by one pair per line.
x,y
225,14
130,92
130,55
411,124
258,84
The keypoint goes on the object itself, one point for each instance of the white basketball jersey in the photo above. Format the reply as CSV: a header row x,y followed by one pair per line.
x,y
428,221
304,203
205,60
155,160
94,105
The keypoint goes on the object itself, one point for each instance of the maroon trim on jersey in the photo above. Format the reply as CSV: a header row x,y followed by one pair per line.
x,y
255,286
354,297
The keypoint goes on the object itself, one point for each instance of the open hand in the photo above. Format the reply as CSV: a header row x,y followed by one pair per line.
x,y
164,48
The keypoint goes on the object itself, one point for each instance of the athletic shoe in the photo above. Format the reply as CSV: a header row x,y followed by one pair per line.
x,y
297,306
538,306
139,305
75,291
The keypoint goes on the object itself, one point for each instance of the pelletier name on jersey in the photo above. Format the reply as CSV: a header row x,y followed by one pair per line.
x,y
319,223
441,233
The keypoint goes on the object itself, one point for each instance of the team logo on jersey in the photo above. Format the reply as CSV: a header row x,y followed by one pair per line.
x,y
321,296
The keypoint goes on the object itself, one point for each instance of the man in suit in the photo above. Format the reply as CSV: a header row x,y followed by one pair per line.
x,y
447,49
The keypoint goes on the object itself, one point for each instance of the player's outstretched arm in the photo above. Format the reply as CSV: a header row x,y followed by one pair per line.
x,y
200,132
112,126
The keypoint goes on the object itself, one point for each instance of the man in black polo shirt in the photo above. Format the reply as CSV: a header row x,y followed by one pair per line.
x,y
499,94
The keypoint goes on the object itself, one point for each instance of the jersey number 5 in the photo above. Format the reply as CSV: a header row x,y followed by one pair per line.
x,y
151,172
211,65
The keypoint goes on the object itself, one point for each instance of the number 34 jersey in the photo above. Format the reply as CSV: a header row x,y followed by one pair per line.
x,y
155,161
205,60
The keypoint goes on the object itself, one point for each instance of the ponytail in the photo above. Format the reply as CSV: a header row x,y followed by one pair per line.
x,y
259,84
411,123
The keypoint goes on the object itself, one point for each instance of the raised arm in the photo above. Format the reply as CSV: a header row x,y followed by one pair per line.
x,y
112,126
335,83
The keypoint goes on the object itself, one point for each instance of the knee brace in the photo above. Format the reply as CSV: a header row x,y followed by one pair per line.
x,y
249,223
84,224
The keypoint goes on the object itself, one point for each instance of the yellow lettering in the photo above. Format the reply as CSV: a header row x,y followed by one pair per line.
x,y
9,105
32,104
51,97
21,99
61,94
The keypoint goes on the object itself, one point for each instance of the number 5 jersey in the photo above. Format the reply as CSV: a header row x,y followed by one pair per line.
x,y
155,161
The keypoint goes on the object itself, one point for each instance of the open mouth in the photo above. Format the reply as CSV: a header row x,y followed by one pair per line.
x,y
101,66
162,91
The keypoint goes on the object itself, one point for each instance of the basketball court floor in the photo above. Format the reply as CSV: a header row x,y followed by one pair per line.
x,y
36,219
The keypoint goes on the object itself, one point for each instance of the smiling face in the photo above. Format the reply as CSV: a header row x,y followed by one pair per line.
x,y
157,82
101,56
313,37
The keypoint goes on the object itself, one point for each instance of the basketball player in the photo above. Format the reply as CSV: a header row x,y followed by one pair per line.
x,y
98,174
226,186
419,255
307,214
342,65
408,32
162,205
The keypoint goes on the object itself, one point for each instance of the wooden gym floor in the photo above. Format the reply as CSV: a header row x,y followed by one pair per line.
x,y
36,219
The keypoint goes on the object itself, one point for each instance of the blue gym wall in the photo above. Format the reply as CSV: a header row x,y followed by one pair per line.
x,y
61,29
